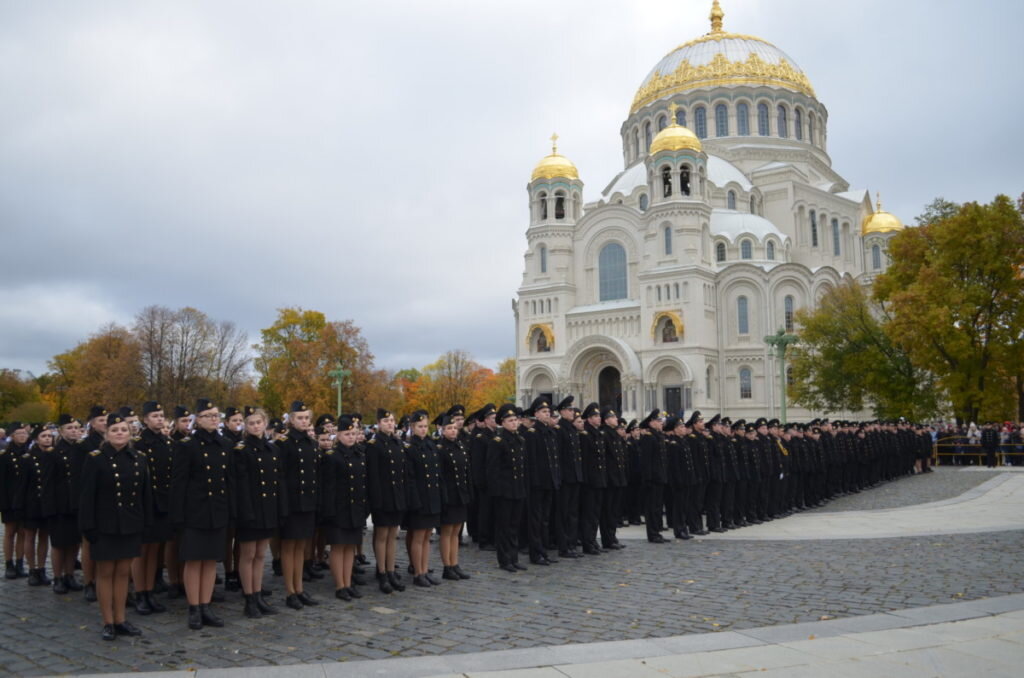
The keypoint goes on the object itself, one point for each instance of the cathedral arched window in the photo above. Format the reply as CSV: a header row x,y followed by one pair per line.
x,y
684,180
643,202
666,181
742,319
676,290
720,252
681,117
700,117
787,310
721,121
730,200
657,291
668,240
543,198
648,138
746,385
814,229
743,119
762,119
783,122
662,122
798,124
559,205
770,251
543,259
746,249
611,264
636,143
835,237
876,257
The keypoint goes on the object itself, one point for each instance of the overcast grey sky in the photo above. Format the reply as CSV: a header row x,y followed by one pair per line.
x,y
370,159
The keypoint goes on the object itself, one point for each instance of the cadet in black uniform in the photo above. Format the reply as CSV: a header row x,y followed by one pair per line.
x,y
233,430
202,486
653,462
33,524
343,505
158,451
97,426
427,496
571,460
63,516
544,471
595,478
115,507
385,481
482,510
618,479
11,470
458,492
507,485
261,503
299,463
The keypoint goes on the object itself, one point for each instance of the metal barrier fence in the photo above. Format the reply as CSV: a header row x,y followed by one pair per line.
x,y
954,452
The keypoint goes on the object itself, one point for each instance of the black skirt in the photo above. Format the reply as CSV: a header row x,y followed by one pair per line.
x,y
12,516
254,533
196,544
299,526
387,518
343,535
453,514
116,546
33,524
159,532
63,531
423,521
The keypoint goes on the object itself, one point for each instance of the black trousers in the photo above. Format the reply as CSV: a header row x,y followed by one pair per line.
x,y
654,501
484,534
568,517
539,513
713,505
677,518
728,502
611,512
507,514
693,497
590,514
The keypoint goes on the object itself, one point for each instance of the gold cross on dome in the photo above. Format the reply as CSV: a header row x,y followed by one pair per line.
x,y
673,107
554,143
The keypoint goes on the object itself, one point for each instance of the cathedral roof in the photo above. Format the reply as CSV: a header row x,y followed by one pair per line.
x,y
554,166
720,59
880,222
733,224
721,172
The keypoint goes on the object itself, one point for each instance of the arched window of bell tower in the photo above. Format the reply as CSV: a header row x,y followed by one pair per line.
x,y
559,205
666,181
543,200
684,180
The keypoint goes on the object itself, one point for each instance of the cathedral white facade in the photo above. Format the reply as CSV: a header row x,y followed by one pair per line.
x,y
726,219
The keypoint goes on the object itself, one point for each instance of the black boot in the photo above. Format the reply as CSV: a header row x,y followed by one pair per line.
x,y
262,605
19,566
313,572
142,604
10,572
449,574
154,604
108,632
44,580
126,628
72,583
384,583
90,592
33,578
395,582
458,570
307,599
60,585
343,594
251,609
293,602
354,592
195,618
421,580
208,616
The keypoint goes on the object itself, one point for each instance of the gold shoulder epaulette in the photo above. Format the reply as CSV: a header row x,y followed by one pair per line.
x,y
583,433
372,441
531,430
240,446
497,439
555,427
329,451
186,439
94,453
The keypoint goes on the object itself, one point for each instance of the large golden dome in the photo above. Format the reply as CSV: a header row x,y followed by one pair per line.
x,y
880,222
554,166
675,137
720,59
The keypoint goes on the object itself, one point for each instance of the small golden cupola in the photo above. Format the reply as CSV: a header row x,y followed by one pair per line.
x,y
675,137
880,221
554,166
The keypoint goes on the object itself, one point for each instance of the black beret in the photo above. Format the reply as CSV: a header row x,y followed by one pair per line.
x,y
484,412
97,411
382,413
760,422
565,404
126,412
346,423
230,412
418,416
590,410
65,419
773,423
298,406
505,411
714,420
181,411
631,426
248,411
694,418
325,419
151,406
203,404
403,421
539,403
750,428
356,416
456,410
608,412
114,418
671,423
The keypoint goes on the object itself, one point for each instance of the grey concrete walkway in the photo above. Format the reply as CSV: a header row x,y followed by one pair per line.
x,y
978,638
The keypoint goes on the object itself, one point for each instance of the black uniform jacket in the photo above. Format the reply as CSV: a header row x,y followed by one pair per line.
x,y
542,456
458,488
202,482
11,476
615,457
653,457
91,442
30,491
343,498
261,499
423,473
300,467
506,465
595,467
57,497
570,456
159,452
385,473
115,495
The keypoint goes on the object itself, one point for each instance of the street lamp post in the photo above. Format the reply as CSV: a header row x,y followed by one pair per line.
x,y
779,341
339,373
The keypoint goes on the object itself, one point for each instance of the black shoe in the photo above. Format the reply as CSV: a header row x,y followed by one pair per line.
x,y
307,576
19,567
130,600
354,592
519,567
33,577
458,570
718,529
209,617
410,569
127,629
540,561
395,582
591,550
232,582
432,579
312,572
154,604
384,583
90,592
72,583
108,632
275,565
702,532
262,605
449,574
251,610
60,586
10,572
343,594
195,618
307,599
657,539
421,581
509,567
358,580
293,602
142,604
362,559
46,581
358,569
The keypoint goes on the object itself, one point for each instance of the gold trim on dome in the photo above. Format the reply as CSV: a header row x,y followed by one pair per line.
x,y
554,166
720,71
546,330
671,315
880,221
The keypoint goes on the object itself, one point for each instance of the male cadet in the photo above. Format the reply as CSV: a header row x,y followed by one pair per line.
x,y
756,511
570,460
780,479
769,468
97,424
544,473
617,476
507,485
65,502
741,499
653,473
182,423
595,478
486,425
730,474
634,501
698,440
716,472
234,427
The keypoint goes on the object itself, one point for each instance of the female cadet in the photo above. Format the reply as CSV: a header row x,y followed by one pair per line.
x,y
385,481
343,505
10,488
33,526
261,504
457,495
299,469
115,507
62,520
201,490
427,496
157,448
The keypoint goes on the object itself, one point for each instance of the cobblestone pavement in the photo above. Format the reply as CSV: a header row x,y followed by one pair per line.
x,y
945,482
644,591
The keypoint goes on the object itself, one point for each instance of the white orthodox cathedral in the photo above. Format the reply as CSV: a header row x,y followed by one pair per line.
x,y
727,218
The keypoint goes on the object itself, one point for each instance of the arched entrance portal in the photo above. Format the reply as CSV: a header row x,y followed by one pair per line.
x,y
609,388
